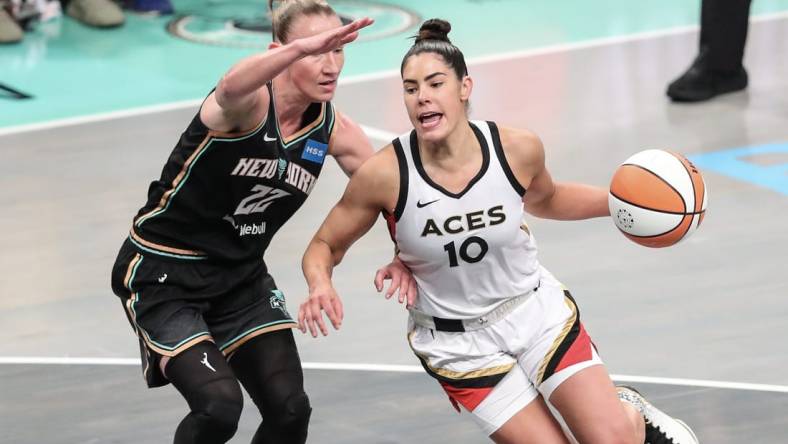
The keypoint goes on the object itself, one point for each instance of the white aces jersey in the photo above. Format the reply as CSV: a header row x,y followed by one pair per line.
x,y
470,251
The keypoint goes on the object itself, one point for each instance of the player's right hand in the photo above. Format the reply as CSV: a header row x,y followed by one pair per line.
x,y
310,313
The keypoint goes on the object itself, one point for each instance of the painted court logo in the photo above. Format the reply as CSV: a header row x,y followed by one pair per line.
x,y
762,165
246,23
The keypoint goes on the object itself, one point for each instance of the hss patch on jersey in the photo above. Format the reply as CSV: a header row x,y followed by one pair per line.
x,y
315,151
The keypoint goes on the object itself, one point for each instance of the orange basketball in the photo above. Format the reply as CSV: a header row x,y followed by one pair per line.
x,y
657,198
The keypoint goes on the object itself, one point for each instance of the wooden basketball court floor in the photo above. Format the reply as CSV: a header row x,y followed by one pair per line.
x,y
698,327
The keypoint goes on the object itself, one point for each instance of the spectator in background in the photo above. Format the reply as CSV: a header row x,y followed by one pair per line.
x,y
107,13
718,68
10,31
95,13
161,7
17,16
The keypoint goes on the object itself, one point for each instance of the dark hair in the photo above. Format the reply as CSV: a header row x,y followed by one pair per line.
x,y
434,37
288,10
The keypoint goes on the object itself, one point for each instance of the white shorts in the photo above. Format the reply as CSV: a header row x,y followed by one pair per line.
x,y
494,372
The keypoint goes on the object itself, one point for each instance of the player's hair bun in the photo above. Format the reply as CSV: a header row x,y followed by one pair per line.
x,y
434,29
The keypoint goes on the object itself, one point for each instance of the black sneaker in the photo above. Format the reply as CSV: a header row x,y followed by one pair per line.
x,y
700,83
660,428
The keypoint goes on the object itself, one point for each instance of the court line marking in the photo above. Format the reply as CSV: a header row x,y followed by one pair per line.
x,y
134,112
38,360
362,78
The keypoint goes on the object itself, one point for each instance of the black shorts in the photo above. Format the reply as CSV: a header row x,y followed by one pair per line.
x,y
174,304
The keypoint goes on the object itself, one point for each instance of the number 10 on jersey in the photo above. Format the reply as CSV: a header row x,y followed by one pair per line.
x,y
464,252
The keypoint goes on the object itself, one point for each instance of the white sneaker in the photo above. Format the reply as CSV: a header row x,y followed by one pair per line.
x,y
660,428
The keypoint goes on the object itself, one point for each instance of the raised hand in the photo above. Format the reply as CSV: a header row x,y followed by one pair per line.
x,y
333,39
310,313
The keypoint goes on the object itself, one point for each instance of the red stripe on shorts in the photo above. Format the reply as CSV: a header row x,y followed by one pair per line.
x,y
579,351
470,398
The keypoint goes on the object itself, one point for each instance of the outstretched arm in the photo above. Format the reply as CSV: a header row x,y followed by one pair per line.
x,y
546,198
371,190
351,148
239,93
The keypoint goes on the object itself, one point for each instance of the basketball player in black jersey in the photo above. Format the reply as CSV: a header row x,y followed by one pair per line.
x,y
191,274
529,349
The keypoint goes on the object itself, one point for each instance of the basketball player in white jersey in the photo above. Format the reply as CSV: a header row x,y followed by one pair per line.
x,y
497,330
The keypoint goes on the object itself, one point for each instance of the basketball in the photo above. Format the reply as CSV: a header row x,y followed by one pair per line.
x,y
657,198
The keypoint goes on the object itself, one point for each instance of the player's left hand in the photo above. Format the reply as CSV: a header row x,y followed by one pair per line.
x,y
401,279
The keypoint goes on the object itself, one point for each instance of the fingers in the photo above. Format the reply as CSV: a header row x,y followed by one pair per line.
x,y
383,274
349,32
315,319
321,324
310,314
412,292
404,287
401,281
396,278
331,312
340,311
305,319
301,319
361,23
379,277
348,38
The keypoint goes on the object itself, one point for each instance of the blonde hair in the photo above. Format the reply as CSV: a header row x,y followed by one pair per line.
x,y
287,11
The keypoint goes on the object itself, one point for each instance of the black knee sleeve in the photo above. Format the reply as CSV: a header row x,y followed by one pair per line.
x,y
214,416
295,412
287,423
205,380
270,370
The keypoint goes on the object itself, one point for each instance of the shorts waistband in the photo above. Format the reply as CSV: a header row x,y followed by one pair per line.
x,y
462,325
145,246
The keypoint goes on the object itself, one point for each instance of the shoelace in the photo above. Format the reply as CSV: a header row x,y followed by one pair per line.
x,y
655,435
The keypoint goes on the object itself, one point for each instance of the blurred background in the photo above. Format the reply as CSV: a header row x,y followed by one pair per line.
x,y
94,95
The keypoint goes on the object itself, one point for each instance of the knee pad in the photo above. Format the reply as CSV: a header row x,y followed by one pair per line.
x,y
285,423
294,412
215,411
213,394
298,406
221,406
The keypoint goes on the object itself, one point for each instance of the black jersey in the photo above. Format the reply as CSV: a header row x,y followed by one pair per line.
x,y
222,196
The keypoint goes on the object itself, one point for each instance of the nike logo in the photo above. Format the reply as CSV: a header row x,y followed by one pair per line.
x,y
422,205
206,363
269,139
163,278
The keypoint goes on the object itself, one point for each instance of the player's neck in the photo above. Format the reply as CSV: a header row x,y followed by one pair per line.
x,y
291,104
459,147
